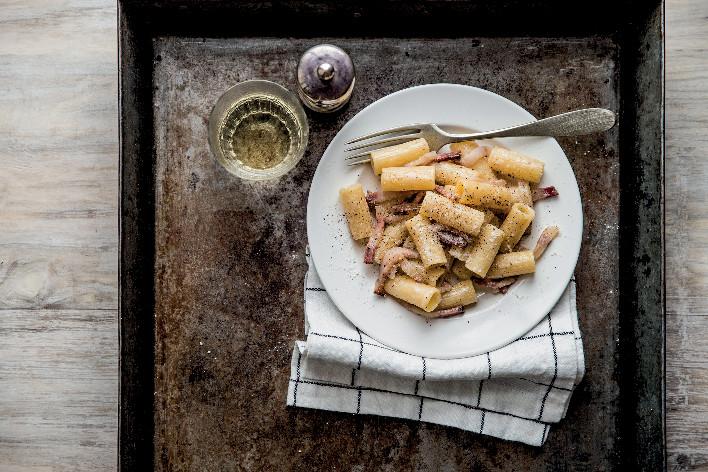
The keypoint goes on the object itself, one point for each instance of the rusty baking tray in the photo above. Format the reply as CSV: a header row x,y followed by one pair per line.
x,y
211,277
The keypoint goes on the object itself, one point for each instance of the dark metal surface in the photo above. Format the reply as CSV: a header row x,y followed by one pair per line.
x,y
212,266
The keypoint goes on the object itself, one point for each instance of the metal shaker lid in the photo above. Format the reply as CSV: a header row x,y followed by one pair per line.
x,y
326,78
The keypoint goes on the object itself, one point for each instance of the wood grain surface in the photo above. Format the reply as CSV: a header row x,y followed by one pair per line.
x,y
687,234
58,235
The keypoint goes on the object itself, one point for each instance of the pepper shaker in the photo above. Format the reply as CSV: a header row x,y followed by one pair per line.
x,y
326,78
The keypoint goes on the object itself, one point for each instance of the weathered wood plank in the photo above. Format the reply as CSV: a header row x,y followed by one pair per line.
x,y
40,276
58,389
687,234
58,235
687,392
58,148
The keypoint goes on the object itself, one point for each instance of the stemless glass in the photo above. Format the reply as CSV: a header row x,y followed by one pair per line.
x,y
258,130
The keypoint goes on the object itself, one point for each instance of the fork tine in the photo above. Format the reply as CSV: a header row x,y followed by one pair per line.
x,y
357,156
386,131
406,137
356,163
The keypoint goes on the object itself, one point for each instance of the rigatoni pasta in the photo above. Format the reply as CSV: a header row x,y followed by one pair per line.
x,y
482,253
448,223
426,242
449,213
401,179
515,224
398,155
522,193
421,295
485,195
516,165
461,294
453,174
356,210
512,264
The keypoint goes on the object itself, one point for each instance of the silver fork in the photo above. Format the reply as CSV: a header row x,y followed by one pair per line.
x,y
574,123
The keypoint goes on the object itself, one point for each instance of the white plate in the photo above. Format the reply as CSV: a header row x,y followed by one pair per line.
x,y
496,319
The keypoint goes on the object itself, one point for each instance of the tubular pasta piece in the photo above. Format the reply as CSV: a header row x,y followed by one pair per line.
x,y
356,211
398,155
512,264
481,254
522,193
455,215
400,179
515,223
516,165
426,241
447,173
421,295
485,195
462,293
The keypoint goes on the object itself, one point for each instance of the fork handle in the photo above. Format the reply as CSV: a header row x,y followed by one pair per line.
x,y
574,123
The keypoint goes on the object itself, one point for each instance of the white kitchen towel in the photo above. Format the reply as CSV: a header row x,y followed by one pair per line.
x,y
513,393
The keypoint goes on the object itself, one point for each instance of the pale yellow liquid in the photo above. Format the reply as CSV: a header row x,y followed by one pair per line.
x,y
257,132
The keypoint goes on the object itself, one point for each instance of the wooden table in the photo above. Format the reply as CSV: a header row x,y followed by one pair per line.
x,y
59,235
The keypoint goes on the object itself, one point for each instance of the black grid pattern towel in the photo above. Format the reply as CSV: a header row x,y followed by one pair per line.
x,y
513,393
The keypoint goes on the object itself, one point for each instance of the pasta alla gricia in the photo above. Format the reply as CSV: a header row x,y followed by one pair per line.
x,y
441,228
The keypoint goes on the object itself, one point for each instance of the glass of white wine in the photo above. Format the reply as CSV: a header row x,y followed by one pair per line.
x,y
258,130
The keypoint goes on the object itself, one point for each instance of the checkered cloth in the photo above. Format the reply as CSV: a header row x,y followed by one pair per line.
x,y
514,393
